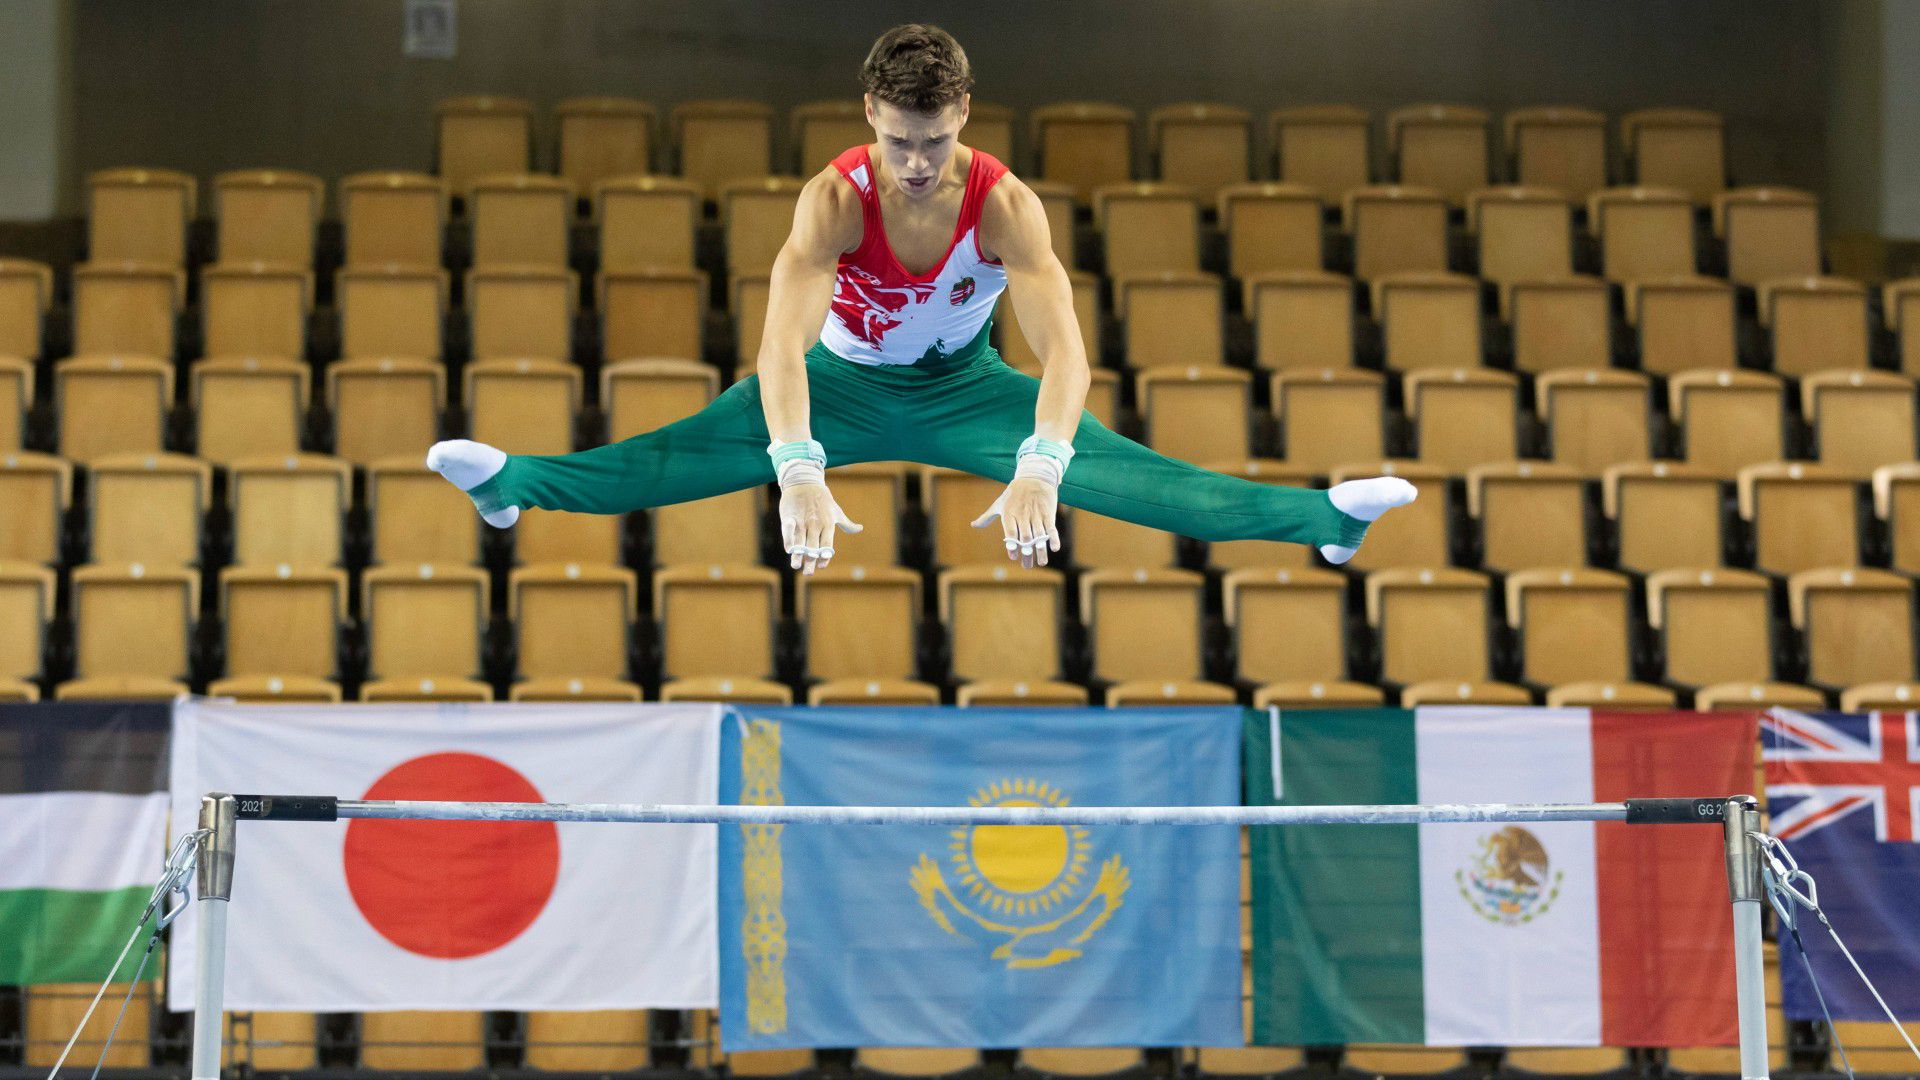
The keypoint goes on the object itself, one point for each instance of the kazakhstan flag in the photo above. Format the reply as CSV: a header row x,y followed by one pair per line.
x,y
989,936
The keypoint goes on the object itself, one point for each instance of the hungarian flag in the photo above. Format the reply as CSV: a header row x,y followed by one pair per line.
x,y
83,810
1555,934
367,915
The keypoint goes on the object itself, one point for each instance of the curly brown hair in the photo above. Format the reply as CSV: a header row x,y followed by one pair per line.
x,y
916,67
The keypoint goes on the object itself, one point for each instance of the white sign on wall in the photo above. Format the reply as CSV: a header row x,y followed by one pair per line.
x,y
430,29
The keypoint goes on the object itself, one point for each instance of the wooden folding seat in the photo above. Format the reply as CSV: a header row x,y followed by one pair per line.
x,y
756,216
1861,419
385,407
523,406
1414,537
1858,624
481,136
706,1055
1431,624
1100,542
1667,515
393,219
873,692
1376,1060
716,619
1143,624
1757,697
1595,419
148,508
572,621
26,607
1287,625
1205,146
641,395
36,489
859,622
289,509
1150,228
282,620
1455,692
1231,554
1880,697
419,689
51,1013
522,312
1731,419
1429,320
1802,516
26,292
247,407
1443,147
737,690
1771,232
1714,625
1816,324
1148,693
267,215
1524,233
423,1040
1322,147
520,220
558,536
1680,148
1083,145
653,313
725,528
1016,350
1395,229
424,621
748,297
1079,1061
109,405
415,516
1002,622
872,494
140,215
120,688
1573,625
1899,309
1463,416
126,309
602,138
1644,232
1682,324
953,500
990,128
276,690
576,690
1604,695
716,142
133,619
1330,417
1196,413
16,400
1016,693
1271,228
1317,695
1302,320
1531,515
646,223
391,310
1172,318
255,309
823,130
1557,147
1896,502
1560,323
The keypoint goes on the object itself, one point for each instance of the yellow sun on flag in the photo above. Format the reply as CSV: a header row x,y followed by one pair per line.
x,y
1019,869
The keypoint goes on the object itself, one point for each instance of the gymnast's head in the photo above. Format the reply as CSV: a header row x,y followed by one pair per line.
x,y
916,79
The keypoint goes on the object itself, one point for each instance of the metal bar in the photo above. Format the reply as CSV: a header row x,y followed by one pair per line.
x,y
1745,888
215,868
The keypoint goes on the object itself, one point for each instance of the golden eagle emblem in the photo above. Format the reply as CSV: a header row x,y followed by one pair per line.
x,y
1510,880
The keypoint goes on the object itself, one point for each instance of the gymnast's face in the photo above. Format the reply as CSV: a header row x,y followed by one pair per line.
x,y
916,147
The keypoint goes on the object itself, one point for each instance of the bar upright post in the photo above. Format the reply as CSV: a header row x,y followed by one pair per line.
x,y
215,870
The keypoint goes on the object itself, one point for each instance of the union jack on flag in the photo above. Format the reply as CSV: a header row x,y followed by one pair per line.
x,y
1822,767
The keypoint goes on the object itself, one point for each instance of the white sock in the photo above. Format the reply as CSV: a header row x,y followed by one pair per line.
x,y
1366,500
468,464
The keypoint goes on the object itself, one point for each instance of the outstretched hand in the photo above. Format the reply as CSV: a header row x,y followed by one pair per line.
x,y
808,515
1027,510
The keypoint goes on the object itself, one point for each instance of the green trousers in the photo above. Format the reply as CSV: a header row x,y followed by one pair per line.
x,y
968,411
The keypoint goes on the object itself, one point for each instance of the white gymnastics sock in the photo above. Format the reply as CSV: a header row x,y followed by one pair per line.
x,y
468,464
1366,500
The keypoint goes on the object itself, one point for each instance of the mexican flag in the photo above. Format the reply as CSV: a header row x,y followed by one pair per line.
x,y
1555,934
83,812
366,915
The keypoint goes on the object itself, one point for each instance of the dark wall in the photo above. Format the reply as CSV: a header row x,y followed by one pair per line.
x,y
320,85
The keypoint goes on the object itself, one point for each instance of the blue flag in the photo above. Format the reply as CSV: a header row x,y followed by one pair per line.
x,y
1842,793
989,936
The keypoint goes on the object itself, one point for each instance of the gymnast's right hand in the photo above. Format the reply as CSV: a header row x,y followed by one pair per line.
x,y
808,516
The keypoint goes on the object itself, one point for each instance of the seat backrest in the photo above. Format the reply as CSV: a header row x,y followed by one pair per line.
x,y
1104,542
1323,147
860,621
424,621
126,309
248,407
1196,413
1818,324
750,294
873,692
520,220
1242,554
1440,146
1644,232
521,313
1560,323
1149,229
1019,352
1858,625
1681,148
391,311
572,620
482,135
1896,496
872,494
1415,535
647,223
254,309
1559,148
1330,417
1020,693
1573,625
1301,320
1084,145
1770,233
1464,416
561,537
1002,622
1667,516
1430,320
267,215
131,619
641,395
523,406
1432,624
756,216
148,508
16,399
725,527
26,608
1731,419
653,313
1714,625
1595,419
1802,517
1271,228
1862,419
112,405
140,215
604,137
415,516
289,509
1203,146
36,490
1287,624
1172,319
282,621
1525,233
26,292
716,620
1143,623
822,130
1396,229
382,408
721,141
1684,324
1530,514
953,500
393,219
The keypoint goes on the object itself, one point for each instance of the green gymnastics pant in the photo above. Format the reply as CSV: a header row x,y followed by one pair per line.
x,y
968,411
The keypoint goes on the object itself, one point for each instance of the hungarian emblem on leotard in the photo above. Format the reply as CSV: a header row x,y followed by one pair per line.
x,y
1021,890
867,307
1510,880
962,292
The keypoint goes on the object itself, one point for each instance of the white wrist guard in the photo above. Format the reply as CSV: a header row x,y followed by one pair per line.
x,y
797,463
1042,459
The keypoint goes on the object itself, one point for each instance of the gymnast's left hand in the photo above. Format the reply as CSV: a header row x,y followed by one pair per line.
x,y
1026,510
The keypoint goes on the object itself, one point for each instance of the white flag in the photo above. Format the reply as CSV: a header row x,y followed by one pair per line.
x,y
366,915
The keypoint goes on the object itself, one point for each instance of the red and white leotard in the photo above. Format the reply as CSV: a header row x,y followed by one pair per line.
x,y
882,314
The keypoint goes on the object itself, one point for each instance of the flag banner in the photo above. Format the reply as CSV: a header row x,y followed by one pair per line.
x,y
368,915
983,936
1843,794
1548,934
83,810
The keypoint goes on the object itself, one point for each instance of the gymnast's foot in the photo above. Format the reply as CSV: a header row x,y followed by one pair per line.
x,y
467,465
1366,500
